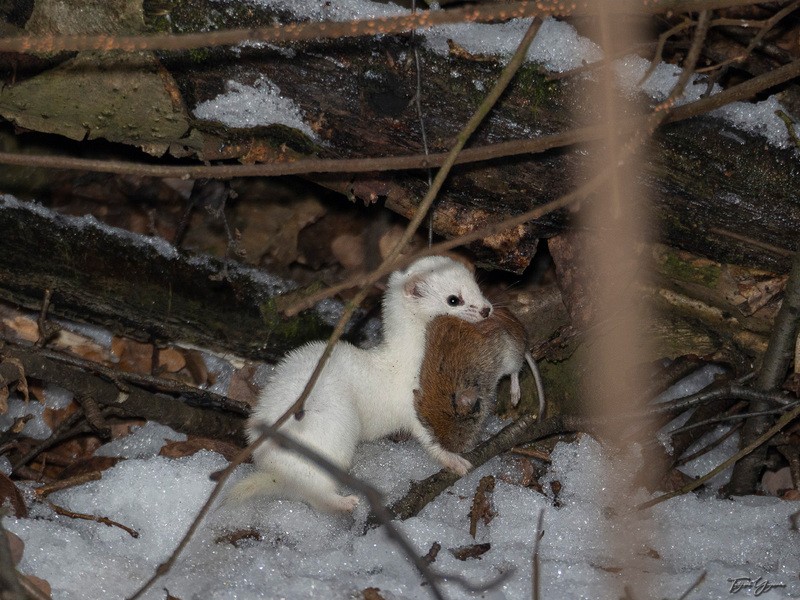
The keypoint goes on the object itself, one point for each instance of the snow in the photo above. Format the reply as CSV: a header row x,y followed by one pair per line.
x,y
557,47
303,554
251,106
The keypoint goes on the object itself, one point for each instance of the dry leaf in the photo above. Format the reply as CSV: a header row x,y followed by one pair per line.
x,y
235,538
40,584
793,495
81,346
196,365
372,594
53,417
270,230
16,545
195,444
482,504
89,465
133,356
171,360
25,329
430,557
11,494
472,551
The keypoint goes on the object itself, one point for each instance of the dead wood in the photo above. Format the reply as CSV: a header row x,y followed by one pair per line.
x,y
773,372
143,287
524,430
133,400
372,114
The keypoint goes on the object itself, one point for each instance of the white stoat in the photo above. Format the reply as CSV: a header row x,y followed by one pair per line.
x,y
361,394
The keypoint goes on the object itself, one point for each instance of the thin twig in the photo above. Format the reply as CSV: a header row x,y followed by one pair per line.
x,y
694,586
297,32
766,26
64,512
536,584
399,163
502,82
63,484
777,358
709,447
762,439
305,166
735,417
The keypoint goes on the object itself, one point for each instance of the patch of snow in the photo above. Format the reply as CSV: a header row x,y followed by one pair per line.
x,y
303,554
251,106
142,442
54,398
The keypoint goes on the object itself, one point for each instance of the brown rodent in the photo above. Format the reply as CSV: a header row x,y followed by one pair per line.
x,y
458,379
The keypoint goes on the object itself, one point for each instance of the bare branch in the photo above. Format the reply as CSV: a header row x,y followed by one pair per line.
x,y
297,32
505,78
758,442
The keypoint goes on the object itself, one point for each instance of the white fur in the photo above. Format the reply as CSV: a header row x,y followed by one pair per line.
x,y
361,394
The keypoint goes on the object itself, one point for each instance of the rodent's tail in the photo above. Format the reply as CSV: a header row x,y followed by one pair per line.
x,y
260,483
537,376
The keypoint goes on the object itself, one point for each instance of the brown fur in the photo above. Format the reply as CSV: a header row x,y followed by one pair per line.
x,y
459,374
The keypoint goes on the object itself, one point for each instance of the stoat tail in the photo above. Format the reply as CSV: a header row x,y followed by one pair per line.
x,y
537,376
320,493
260,483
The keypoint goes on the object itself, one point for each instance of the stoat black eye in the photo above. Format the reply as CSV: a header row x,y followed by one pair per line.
x,y
454,301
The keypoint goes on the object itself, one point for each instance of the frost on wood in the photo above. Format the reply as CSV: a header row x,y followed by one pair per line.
x,y
142,286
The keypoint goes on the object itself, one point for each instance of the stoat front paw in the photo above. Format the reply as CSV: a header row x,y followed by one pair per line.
x,y
456,463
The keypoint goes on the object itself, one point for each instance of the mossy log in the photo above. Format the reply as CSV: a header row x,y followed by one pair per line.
x,y
143,287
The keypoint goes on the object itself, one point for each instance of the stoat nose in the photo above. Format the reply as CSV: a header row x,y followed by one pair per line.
x,y
486,311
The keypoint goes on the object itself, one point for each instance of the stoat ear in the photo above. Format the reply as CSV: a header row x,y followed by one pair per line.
x,y
411,288
461,259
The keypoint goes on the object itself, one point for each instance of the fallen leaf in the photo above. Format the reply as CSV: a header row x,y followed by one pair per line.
x,y
372,593
16,545
24,329
235,538
472,551
10,493
88,465
482,504
133,356
171,360
195,444
40,584
430,557
792,495
196,365
53,417
673,480
80,345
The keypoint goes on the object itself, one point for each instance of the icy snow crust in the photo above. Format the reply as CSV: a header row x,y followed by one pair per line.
x,y
307,555
557,47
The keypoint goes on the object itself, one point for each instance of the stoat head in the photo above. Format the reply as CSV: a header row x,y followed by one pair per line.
x,y
437,285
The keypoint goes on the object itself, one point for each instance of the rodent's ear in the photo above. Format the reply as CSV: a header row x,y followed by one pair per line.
x,y
411,287
464,402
